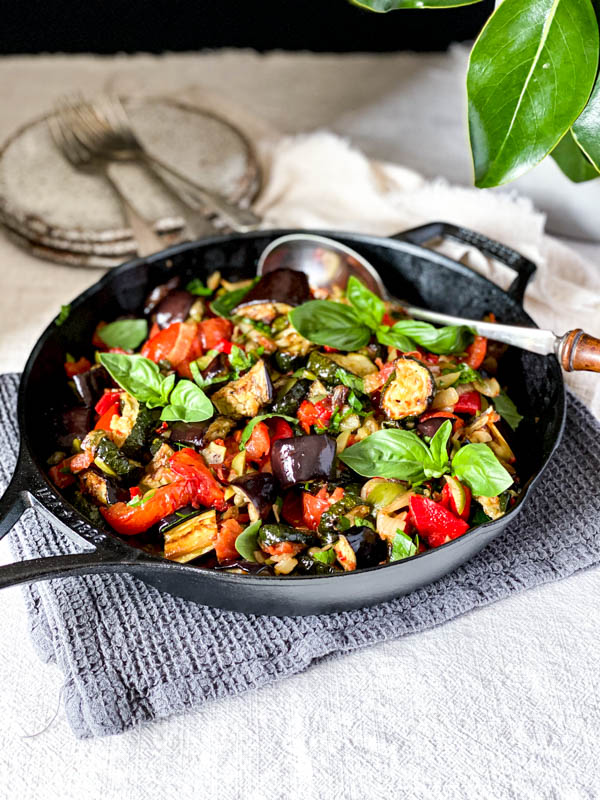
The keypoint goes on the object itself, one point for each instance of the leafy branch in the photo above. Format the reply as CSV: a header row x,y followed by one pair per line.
x,y
532,86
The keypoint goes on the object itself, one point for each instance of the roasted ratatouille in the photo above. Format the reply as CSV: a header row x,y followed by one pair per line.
x,y
262,427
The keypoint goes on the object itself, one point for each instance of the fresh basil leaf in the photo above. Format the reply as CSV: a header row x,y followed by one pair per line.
x,y
63,315
449,339
247,432
390,453
393,338
247,542
381,6
165,390
439,450
480,517
326,322
530,75
369,308
402,547
324,556
354,382
239,360
467,373
196,287
477,466
137,375
125,333
572,160
187,403
507,410
223,305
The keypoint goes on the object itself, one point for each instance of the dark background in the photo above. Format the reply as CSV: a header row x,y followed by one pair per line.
x,y
109,26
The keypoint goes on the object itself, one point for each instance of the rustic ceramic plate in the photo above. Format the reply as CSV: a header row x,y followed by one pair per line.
x,y
64,215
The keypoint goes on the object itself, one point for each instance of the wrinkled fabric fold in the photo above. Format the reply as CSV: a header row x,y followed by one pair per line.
x,y
131,654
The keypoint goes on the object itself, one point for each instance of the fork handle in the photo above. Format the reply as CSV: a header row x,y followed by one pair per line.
x,y
147,240
578,350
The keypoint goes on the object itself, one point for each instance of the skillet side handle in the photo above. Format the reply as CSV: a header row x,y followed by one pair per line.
x,y
506,255
578,350
13,503
43,569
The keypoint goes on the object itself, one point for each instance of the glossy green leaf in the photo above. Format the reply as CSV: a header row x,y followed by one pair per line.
x,y
137,375
328,323
247,542
188,403
382,6
573,161
530,75
389,454
477,466
247,432
586,128
369,308
507,410
402,547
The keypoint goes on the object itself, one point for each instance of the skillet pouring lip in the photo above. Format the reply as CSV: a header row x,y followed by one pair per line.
x,y
96,535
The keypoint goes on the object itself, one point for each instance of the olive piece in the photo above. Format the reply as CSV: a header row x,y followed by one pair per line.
x,y
368,547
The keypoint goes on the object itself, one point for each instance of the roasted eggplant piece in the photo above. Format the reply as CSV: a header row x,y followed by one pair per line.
x,y
175,307
290,401
89,510
158,294
101,487
431,426
246,396
75,424
303,458
409,390
260,491
247,567
217,367
90,385
182,515
192,538
369,548
312,566
272,534
276,293
191,433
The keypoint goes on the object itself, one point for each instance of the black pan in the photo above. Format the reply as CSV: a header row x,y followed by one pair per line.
x,y
411,272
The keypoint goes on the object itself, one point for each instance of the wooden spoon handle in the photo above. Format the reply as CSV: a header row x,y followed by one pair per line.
x,y
579,350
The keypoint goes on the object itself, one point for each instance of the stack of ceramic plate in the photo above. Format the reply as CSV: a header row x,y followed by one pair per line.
x,y
62,214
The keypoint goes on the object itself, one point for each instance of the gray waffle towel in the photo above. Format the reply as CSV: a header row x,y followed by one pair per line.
x,y
131,654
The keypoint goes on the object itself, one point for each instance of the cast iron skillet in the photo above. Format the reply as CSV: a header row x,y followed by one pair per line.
x,y
411,272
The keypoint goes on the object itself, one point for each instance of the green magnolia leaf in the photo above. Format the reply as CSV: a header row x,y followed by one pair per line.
x,y
449,339
137,375
125,333
573,161
247,432
507,410
188,403
224,305
439,451
369,308
530,75
402,547
381,6
586,128
332,324
247,542
477,466
389,454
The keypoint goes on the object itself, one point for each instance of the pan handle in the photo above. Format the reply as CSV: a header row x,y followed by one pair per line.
x,y
20,495
506,255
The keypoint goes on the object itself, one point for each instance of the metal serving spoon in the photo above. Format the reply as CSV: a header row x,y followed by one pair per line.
x,y
329,263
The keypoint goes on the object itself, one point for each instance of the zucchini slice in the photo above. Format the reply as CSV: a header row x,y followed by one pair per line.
x,y
409,391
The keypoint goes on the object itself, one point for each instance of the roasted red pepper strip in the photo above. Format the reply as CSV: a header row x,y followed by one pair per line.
x,y
225,540
259,443
476,352
318,414
315,505
196,485
279,429
107,400
223,346
433,522
214,330
468,403
103,423
77,367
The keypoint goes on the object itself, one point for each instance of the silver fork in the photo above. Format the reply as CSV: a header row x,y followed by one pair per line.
x,y
106,129
63,127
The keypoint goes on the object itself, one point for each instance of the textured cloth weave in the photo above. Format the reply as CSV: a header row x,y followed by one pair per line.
x,y
131,654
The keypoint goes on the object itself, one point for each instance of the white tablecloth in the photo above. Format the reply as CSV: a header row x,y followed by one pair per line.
x,y
501,703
